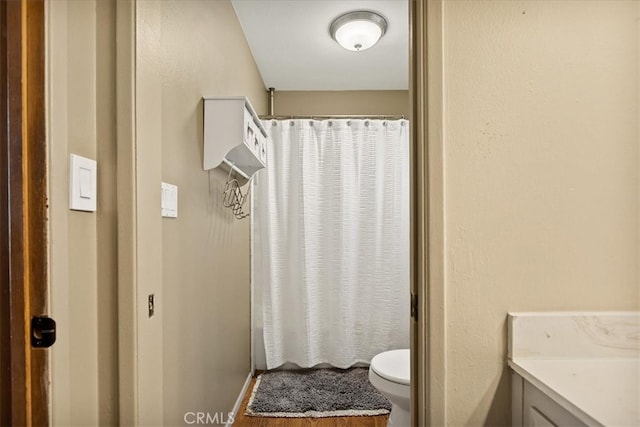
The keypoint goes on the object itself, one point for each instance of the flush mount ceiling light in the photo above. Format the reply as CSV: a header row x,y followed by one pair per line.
x,y
358,30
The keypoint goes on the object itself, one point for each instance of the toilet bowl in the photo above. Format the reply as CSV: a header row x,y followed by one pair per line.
x,y
390,374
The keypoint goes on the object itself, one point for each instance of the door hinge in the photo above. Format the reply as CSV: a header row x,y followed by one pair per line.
x,y
414,306
43,332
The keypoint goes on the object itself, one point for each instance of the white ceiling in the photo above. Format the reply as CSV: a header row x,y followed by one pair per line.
x,y
293,49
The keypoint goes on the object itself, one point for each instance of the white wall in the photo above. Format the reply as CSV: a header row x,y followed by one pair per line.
x,y
541,184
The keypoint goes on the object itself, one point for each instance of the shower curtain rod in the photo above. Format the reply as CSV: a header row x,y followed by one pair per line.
x,y
333,116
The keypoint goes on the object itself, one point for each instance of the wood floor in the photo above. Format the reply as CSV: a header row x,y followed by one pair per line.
x,y
242,420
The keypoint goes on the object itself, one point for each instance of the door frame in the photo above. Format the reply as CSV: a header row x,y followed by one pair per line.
x,y
428,338
428,333
24,377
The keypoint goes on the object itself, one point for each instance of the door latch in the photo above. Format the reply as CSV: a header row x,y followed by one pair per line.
x,y
43,332
414,307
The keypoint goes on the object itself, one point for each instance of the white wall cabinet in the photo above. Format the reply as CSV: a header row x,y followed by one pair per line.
x,y
233,136
532,408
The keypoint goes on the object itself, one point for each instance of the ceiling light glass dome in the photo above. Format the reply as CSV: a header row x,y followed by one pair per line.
x,y
358,30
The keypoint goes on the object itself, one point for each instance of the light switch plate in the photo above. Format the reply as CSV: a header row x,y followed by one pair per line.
x,y
169,200
83,180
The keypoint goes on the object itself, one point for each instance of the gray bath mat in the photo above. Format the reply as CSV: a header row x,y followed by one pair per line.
x,y
316,393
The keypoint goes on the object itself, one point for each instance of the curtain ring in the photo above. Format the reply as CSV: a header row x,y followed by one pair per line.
x,y
384,123
330,123
366,123
310,122
274,123
291,123
348,122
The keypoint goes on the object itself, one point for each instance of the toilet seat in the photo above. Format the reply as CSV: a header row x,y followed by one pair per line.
x,y
393,365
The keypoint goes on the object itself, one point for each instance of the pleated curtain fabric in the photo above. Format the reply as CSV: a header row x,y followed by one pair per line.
x,y
330,241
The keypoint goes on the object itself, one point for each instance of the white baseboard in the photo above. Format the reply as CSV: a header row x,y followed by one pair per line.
x,y
236,407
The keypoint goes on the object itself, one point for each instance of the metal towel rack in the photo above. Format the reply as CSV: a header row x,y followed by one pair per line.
x,y
233,198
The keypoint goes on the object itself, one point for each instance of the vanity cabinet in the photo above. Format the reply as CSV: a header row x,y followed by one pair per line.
x,y
532,408
574,368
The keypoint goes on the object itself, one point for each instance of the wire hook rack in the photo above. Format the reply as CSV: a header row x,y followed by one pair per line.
x,y
233,198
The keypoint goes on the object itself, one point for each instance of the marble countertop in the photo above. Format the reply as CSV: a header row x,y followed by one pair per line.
x,y
589,363
596,391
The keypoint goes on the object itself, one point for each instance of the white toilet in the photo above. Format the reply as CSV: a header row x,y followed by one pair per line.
x,y
390,374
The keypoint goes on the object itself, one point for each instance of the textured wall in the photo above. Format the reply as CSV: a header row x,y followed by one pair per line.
x,y
391,102
542,186
197,345
81,120
199,51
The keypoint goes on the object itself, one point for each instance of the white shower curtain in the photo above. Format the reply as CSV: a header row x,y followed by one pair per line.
x,y
330,230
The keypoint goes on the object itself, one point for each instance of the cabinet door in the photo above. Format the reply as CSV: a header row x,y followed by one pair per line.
x,y
538,419
542,411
